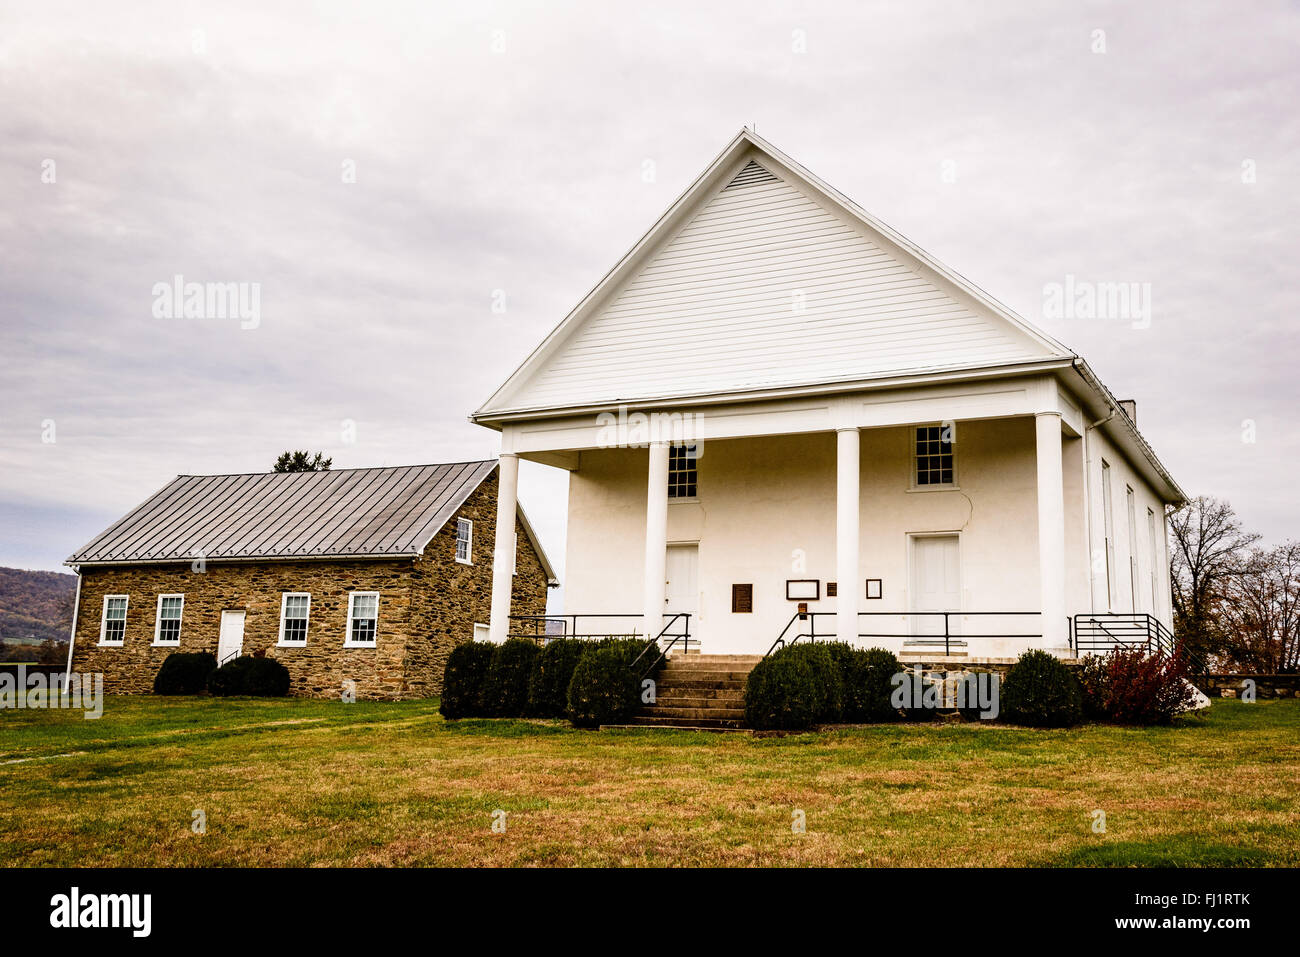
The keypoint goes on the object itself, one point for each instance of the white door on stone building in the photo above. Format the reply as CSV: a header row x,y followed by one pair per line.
x,y
230,643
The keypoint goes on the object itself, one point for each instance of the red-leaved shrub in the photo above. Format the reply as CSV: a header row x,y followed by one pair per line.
x,y
1136,687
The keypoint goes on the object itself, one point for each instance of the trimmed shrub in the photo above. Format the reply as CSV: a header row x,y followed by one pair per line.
x,y
868,685
1040,691
1094,682
246,675
1134,687
505,686
548,685
604,688
462,679
185,673
794,688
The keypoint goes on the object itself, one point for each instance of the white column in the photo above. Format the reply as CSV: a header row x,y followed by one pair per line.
x,y
847,531
1051,529
656,538
503,549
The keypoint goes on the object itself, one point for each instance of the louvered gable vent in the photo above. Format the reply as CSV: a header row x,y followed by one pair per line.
x,y
751,175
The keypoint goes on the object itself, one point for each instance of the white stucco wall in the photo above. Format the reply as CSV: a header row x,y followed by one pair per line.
x,y
762,500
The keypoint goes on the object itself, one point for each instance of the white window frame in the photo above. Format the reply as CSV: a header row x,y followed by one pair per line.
x,y
468,524
284,606
1108,533
691,455
157,621
1155,561
352,601
103,621
1130,507
913,460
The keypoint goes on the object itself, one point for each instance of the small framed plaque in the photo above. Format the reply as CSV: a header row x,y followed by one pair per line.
x,y
875,589
803,589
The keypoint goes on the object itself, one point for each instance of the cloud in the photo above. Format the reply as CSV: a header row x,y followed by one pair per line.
x,y
212,144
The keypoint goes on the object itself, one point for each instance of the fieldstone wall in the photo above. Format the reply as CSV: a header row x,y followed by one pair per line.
x,y
1266,686
449,597
426,607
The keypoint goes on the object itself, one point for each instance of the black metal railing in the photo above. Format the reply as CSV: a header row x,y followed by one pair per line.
x,y
543,628
1104,632
229,658
680,620
948,638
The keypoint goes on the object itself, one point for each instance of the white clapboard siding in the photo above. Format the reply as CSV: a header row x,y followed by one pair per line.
x,y
715,310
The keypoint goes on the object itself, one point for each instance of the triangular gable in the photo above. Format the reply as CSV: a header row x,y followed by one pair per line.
x,y
761,276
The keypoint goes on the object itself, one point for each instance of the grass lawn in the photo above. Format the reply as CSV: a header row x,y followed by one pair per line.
x,y
298,782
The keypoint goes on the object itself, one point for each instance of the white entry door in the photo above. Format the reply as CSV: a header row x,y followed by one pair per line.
x,y
231,640
682,593
936,582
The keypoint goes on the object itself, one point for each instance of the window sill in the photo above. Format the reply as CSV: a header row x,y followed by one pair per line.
x,y
291,644
166,644
464,561
684,501
934,488
109,644
360,644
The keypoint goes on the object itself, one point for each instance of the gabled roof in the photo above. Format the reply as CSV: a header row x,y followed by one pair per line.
x,y
342,513
761,275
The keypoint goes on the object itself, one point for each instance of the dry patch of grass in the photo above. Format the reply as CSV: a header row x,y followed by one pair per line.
x,y
292,782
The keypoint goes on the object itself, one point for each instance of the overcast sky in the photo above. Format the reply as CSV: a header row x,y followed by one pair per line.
x,y
502,147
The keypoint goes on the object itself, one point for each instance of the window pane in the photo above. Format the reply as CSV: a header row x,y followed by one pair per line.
x,y
295,606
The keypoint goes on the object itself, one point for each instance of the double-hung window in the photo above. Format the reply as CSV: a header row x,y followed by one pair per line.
x,y
464,541
363,618
933,457
295,609
167,629
683,471
112,626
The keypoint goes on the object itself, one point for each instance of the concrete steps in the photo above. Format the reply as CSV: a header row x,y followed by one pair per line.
x,y
701,692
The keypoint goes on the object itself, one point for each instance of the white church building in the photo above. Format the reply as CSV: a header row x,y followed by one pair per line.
x,y
781,418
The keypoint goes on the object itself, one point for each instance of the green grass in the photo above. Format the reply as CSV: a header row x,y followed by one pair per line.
x,y
300,782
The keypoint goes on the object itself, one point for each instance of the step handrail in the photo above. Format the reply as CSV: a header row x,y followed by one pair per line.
x,y
654,643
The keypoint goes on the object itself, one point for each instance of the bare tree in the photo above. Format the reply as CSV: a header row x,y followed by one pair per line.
x,y
1261,612
1208,550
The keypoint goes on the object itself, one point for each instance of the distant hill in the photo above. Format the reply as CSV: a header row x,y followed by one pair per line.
x,y
35,604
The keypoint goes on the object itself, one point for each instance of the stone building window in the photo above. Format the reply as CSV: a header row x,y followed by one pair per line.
x,y
112,627
167,630
464,541
363,618
295,608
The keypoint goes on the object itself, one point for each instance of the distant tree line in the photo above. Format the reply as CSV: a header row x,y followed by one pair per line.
x,y
1235,603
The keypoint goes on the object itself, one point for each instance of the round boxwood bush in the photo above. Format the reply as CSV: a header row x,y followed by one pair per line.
x,y
505,686
247,675
462,680
1040,691
794,688
185,673
548,685
605,689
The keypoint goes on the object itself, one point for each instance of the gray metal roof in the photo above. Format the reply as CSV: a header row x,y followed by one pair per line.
x,y
276,515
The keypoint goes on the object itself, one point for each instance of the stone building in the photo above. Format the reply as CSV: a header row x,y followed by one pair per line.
x,y
369,576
